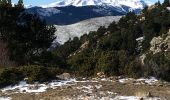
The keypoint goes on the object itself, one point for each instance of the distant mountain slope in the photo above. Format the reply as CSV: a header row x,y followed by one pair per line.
x,y
71,14
65,32
64,12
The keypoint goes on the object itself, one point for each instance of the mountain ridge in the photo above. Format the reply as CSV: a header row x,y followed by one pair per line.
x,y
65,12
131,3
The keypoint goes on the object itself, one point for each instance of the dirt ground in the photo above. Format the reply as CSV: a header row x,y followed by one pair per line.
x,y
97,90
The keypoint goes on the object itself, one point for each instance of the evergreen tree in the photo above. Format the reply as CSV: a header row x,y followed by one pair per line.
x,y
31,38
20,3
166,3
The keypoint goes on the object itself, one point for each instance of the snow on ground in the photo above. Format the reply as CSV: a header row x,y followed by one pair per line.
x,y
123,80
5,98
93,97
126,98
133,98
150,80
23,87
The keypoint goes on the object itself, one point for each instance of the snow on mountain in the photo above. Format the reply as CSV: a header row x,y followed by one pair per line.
x,y
65,32
64,12
48,12
78,3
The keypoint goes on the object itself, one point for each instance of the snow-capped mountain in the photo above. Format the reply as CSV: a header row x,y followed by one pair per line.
x,y
78,3
64,12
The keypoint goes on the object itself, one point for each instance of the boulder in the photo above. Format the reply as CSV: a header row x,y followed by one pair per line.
x,y
64,76
101,75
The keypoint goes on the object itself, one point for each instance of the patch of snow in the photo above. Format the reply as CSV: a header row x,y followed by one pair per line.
x,y
5,98
105,79
23,87
168,8
98,86
123,80
126,98
134,98
149,81
93,97
140,39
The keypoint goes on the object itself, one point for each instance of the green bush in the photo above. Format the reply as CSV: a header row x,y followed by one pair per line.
x,y
37,73
134,69
158,65
10,76
108,63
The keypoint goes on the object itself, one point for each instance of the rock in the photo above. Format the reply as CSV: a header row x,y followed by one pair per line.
x,y
88,94
141,99
148,94
94,89
64,76
160,43
101,75
69,87
23,90
85,98
26,79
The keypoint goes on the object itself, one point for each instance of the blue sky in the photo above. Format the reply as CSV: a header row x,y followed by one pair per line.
x,y
44,2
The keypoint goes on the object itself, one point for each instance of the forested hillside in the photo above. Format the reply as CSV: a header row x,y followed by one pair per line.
x,y
121,49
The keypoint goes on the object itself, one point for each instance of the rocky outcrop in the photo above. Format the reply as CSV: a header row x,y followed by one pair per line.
x,y
160,44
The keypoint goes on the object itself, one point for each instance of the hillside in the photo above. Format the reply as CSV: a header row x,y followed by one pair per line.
x,y
127,59
65,32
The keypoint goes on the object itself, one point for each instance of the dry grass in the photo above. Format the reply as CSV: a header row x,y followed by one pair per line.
x,y
121,89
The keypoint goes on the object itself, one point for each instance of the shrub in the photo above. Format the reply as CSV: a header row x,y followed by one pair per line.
x,y
134,69
109,63
159,65
37,73
10,76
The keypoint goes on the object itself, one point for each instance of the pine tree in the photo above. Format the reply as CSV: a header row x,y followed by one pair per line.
x,y
30,39
20,3
166,3
4,1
